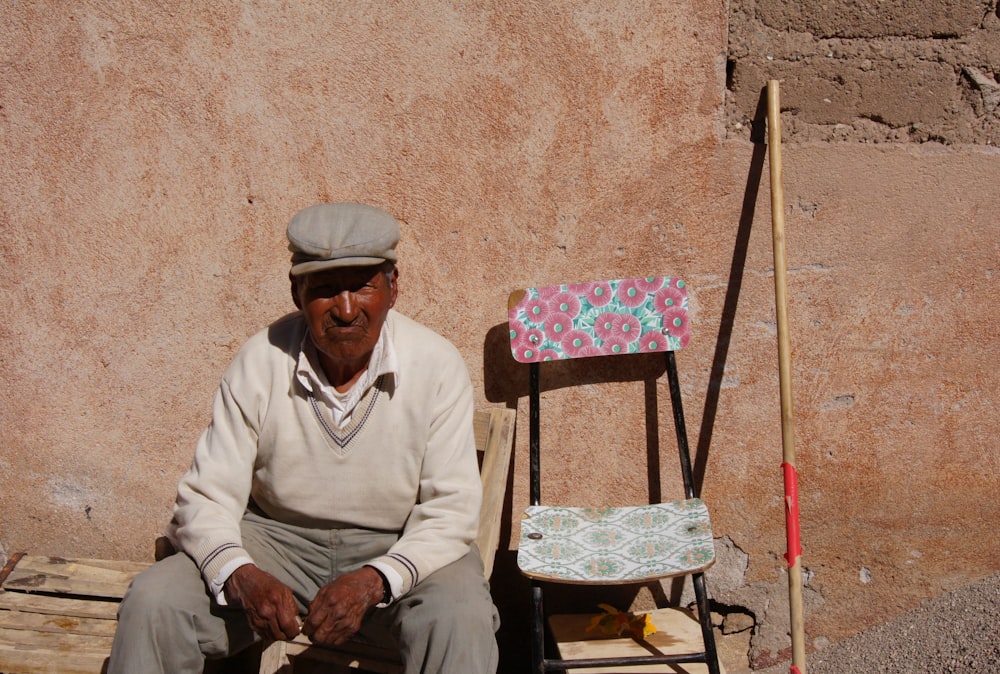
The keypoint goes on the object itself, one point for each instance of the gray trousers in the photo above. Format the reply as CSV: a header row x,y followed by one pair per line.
x,y
168,622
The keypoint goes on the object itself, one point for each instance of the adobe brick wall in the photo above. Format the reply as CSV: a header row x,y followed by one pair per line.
x,y
894,71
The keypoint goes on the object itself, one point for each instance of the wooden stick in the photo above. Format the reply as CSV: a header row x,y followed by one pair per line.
x,y
9,566
794,553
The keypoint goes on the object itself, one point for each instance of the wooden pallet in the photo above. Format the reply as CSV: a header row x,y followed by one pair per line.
x,y
59,615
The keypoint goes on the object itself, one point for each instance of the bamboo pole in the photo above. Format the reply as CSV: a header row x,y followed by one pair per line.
x,y
794,550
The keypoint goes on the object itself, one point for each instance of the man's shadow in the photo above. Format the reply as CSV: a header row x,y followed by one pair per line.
x,y
506,381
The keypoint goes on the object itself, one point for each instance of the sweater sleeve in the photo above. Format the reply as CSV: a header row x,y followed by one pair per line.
x,y
443,523
213,494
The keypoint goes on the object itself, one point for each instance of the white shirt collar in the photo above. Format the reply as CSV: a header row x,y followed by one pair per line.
x,y
310,374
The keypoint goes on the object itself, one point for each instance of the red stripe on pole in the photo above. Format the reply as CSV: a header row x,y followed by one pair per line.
x,y
794,543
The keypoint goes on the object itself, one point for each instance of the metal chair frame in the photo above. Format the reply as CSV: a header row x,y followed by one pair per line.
x,y
541,662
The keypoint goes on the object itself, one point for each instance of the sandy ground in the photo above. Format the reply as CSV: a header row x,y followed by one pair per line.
x,y
956,632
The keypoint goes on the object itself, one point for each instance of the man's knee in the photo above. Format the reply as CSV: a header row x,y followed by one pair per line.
x,y
448,623
455,597
170,592
168,604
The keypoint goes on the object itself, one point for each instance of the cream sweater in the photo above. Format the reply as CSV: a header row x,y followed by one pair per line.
x,y
405,462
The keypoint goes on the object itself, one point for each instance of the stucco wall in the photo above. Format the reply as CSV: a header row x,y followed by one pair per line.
x,y
152,155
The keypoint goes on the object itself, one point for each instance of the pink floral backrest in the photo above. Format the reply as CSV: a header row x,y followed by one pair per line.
x,y
602,318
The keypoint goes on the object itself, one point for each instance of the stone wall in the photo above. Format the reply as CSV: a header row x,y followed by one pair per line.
x,y
892,71
152,154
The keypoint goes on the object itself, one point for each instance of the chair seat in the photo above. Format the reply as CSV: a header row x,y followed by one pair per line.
x,y
615,544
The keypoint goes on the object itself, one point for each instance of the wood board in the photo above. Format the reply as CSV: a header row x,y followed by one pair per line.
x,y
677,632
84,577
59,615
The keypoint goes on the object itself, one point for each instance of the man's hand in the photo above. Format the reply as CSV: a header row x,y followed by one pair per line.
x,y
335,614
269,604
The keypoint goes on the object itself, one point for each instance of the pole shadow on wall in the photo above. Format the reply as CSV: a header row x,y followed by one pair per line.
x,y
727,320
758,135
506,381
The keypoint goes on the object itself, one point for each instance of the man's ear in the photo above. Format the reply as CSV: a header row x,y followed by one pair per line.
x,y
295,292
394,285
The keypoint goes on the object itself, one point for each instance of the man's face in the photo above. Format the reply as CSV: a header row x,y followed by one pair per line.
x,y
345,309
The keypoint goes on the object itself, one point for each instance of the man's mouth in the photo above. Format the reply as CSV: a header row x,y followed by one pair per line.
x,y
335,328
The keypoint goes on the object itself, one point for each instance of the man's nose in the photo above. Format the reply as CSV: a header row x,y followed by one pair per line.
x,y
345,307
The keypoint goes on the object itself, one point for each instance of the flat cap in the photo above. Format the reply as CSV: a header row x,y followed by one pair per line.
x,y
325,236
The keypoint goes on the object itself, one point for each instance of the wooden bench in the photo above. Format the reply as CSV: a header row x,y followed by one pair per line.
x,y
59,615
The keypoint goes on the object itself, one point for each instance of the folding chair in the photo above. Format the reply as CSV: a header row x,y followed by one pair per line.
x,y
610,545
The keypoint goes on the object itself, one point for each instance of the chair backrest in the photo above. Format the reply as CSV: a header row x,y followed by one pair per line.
x,y
603,318
600,318
494,429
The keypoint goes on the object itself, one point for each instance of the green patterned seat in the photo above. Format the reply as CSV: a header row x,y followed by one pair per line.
x,y
615,545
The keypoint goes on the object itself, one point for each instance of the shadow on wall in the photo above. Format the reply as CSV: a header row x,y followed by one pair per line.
x,y
506,380
734,284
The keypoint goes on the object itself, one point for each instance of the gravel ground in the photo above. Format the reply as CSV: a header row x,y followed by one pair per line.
x,y
956,632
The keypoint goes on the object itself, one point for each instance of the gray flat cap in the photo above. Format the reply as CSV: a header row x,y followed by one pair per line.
x,y
341,235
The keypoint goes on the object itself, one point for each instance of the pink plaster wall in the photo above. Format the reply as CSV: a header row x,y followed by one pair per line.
x,y
151,156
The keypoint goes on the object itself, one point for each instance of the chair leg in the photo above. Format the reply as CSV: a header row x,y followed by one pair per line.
x,y
537,630
705,619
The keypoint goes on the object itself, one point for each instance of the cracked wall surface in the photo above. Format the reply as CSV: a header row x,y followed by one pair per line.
x,y
752,616
892,71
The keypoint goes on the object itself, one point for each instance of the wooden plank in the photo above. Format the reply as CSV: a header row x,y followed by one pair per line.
x,y
481,428
86,577
44,661
497,443
353,654
21,640
678,633
120,565
104,570
57,624
52,605
41,632
274,657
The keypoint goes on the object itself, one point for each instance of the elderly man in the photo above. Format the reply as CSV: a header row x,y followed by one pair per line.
x,y
337,480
